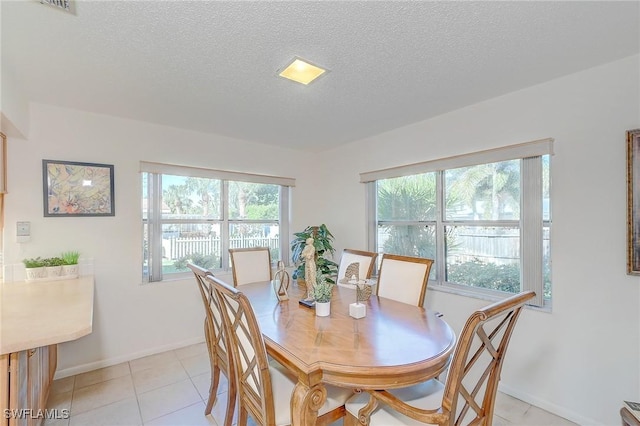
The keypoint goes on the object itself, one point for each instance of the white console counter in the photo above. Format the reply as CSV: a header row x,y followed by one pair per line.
x,y
34,314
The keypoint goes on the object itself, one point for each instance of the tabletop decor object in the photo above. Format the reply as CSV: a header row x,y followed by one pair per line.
x,y
363,292
357,310
34,268
352,276
62,267
309,257
321,292
351,273
53,266
323,244
281,282
70,266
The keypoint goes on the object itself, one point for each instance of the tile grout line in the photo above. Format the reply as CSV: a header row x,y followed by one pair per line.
x,y
182,408
135,391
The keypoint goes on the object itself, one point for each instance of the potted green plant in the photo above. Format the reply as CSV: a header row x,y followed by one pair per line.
x,y
34,268
70,267
323,243
321,292
53,266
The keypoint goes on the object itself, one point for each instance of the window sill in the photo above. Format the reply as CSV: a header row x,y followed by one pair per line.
x,y
483,294
182,276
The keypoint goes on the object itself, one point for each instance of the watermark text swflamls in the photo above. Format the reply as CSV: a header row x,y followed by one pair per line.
x,y
28,413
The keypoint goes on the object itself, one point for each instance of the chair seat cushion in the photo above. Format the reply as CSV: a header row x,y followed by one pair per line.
x,y
282,383
427,396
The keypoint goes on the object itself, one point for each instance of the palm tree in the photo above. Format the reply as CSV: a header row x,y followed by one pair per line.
x,y
497,185
409,199
209,192
253,200
176,198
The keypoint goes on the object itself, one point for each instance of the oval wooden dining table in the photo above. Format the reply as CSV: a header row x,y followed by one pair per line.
x,y
394,345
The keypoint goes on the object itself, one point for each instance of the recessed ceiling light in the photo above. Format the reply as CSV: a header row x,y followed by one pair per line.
x,y
302,71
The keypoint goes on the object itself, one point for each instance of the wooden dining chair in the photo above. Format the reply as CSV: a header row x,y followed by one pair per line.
x,y
219,356
264,389
403,278
468,397
250,265
364,260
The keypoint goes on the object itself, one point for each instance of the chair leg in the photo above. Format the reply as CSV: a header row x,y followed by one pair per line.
x,y
243,416
231,403
213,389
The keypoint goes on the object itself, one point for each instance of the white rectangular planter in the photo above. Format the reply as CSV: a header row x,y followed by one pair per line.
x,y
34,274
52,273
70,270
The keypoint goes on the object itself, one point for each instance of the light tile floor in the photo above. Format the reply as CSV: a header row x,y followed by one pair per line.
x,y
171,388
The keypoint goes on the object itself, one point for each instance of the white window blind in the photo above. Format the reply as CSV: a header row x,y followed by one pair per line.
x,y
512,152
172,169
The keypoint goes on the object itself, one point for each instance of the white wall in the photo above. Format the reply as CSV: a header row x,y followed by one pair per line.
x,y
581,360
14,108
130,319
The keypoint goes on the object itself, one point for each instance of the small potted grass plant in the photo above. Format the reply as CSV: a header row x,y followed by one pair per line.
x,y
70,266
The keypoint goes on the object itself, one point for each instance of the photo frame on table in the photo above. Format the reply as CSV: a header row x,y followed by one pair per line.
x,y
71,188
633,202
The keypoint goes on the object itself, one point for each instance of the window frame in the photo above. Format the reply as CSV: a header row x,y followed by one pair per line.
x,y
154,221
531,222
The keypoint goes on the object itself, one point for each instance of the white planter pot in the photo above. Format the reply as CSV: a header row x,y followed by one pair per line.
x,y
323,309
53,271
70,270
36,273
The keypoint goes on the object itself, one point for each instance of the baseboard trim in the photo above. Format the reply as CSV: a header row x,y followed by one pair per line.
x,y
83,368
547,406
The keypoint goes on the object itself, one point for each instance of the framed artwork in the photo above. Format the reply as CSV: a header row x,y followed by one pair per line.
x,y
633,202
77,189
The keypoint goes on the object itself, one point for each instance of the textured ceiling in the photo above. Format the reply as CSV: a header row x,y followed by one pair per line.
x,y
212,66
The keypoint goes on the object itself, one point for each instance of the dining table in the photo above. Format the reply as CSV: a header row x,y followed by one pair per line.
x,y
394,345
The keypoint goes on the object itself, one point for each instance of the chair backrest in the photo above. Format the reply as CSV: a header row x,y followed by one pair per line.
x,y
404,278
247,347
250,265
474,372
365,260
213,325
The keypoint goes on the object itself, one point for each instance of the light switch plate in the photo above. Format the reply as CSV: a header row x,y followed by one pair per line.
x,y
23,232
23,229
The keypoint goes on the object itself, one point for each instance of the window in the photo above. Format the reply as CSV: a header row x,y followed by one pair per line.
x,y
197,215
484,218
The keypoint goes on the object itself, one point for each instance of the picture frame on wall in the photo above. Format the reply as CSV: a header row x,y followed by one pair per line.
x,y
71,188
633,202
